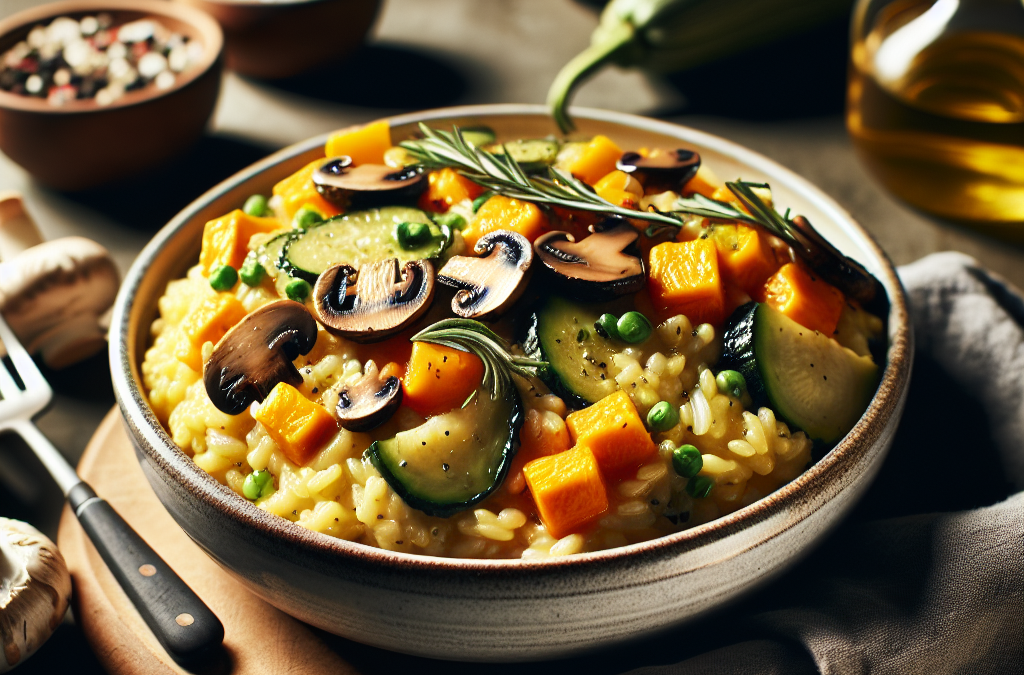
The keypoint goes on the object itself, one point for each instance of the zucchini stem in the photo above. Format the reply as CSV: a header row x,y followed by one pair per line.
x,y
613,43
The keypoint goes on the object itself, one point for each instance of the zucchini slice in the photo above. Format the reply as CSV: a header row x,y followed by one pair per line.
x,y
562,333
357,239
807,378
532,155
453,460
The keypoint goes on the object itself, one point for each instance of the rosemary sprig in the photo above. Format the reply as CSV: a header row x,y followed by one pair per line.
x,y
472,336
503,175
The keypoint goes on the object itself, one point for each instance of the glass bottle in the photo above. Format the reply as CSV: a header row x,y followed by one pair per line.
x,y
935,106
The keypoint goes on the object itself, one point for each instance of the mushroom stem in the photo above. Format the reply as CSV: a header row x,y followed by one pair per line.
x,y
17,229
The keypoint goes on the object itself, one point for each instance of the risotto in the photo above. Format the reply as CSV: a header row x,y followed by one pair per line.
x,y
633,377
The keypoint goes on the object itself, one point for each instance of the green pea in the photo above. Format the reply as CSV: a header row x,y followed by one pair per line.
x,y
479,201
297,290
731,383
306,217
412,235
606,326
687,461
699,487
252,273
256,205
634,327
258,484
451,219
223,278
663,416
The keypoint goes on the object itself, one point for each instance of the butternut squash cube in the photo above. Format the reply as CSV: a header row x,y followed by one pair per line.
x,y
365,144
595,160
447,187
804,298
502,213
613,430
298,190
568,489
439,378
745,257
207,323
298,426
685,279
226,239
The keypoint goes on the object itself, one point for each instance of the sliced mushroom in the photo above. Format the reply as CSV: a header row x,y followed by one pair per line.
x,y
35,589
340,182
595,268
662,169
376,302
370,402
257,353
845,273
490,284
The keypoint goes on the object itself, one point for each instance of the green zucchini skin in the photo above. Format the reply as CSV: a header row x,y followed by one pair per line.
x,y
574,371
478,452
532,154
806,378
356,239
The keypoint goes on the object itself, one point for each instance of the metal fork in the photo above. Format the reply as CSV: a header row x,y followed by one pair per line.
x,y
185,626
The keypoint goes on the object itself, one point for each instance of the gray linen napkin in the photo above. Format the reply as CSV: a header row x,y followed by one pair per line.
x,y
930,593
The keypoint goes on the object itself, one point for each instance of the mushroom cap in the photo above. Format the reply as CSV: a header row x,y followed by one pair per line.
x,y
370,402
257,354
490,284
596,267
338,181
667,168
35,589
53,295
376,301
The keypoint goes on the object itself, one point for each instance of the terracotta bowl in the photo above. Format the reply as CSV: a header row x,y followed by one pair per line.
x,y
80,144
499,610
285,37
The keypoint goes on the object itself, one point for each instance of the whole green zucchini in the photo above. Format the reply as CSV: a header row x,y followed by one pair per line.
x,y
672,35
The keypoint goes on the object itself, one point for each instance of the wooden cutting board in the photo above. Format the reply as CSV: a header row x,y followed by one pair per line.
x,y
258,639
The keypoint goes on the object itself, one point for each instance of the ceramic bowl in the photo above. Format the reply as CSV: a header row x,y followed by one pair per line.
x,y
286,37
500,610
80,144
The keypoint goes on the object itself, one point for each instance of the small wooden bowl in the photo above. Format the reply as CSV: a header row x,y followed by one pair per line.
x,y
287,37
80,144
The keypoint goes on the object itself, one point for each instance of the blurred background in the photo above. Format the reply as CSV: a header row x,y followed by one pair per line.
x,y
784,98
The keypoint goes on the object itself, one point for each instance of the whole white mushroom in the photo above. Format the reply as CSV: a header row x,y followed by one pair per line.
x,y
53,294
35,589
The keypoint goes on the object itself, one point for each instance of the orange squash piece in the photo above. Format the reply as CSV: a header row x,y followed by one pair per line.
x,y
502,213
298,426
745,257
613,430
595,160
704,182
439,378
685,279
207,323
226,239
298,190
804,298
620,189
365,144
568,489
447,187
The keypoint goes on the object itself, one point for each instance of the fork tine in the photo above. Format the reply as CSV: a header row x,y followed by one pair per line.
x,y
8,388
26,368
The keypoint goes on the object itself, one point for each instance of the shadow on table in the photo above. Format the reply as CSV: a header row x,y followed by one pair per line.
x,y
803,75
387,76
146,201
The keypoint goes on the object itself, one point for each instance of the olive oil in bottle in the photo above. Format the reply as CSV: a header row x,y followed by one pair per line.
x,y
935,106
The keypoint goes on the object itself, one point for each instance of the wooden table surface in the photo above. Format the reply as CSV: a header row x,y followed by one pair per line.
x,y
784,100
